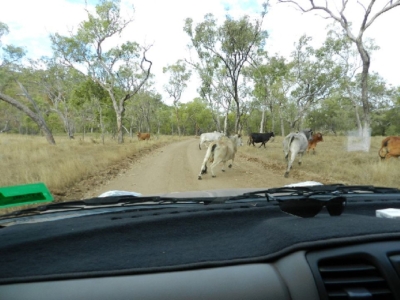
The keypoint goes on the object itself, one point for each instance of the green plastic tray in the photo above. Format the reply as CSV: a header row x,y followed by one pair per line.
x,y
24,194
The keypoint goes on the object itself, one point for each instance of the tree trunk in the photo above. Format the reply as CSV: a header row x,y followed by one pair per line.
x,y
35,117
226,123
364,84
262,123
281,122
237,119
120,133
178,125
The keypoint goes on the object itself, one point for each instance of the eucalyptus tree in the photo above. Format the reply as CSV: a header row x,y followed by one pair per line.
x,y
383,100
265,72
346,56
312,75
228,45
279,91
221,95
196,116
10,73
207,91
386,121
58,83
179,75
92,104
141,111
121,70
162,118
336,10
334,115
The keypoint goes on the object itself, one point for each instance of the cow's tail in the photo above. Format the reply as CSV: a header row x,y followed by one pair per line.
x,y
385,142
383,152
209,157
291,140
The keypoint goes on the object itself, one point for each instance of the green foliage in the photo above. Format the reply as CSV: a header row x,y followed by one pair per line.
x,y
54,123
12,54
196,116
223,51
236,36
120,70
3,30
179,75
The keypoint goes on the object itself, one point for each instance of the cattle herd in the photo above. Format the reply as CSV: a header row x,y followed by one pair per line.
x,y
222,149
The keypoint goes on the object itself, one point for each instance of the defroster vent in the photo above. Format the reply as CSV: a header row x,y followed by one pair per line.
x,y
352,278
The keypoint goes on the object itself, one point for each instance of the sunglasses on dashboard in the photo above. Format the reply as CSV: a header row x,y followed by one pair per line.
x,y
308,207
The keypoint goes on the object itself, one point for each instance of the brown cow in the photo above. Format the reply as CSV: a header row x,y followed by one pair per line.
x,y
390,147
143,136
312,143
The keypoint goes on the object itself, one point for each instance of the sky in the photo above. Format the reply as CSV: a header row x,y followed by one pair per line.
x,y
160,23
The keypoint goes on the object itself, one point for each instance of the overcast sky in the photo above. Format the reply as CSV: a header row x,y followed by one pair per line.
x,y
160,22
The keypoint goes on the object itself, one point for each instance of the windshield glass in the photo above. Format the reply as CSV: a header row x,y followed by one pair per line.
x,y
210,149
145,98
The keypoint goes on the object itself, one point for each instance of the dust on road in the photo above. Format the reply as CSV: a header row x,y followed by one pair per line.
x,y
175,167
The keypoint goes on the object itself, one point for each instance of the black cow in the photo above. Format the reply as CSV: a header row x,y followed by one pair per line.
x,y
260,138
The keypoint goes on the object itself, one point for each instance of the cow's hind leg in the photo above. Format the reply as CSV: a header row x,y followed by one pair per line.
x,y
203,170
231,164
290,162
300,157
216,162
223,166
286,155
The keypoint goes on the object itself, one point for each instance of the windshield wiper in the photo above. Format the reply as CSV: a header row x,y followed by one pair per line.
x,y
351,192
122,201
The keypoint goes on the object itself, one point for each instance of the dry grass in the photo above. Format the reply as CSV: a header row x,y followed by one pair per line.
x,y
29,159
332,163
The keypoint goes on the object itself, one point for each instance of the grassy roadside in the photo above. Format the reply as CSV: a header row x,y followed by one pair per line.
x,y
332,163
64,166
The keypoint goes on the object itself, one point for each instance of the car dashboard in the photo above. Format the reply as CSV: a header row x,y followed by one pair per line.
x,y
219,251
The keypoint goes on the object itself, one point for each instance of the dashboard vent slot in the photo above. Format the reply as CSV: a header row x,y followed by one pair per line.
x,y
352,278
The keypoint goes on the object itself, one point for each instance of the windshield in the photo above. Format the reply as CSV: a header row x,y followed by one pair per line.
x,y
145,98
235,149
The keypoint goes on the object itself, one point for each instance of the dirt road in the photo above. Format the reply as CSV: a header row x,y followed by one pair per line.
x,y
175,167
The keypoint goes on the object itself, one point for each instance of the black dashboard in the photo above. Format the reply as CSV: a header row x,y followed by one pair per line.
x,y
367,271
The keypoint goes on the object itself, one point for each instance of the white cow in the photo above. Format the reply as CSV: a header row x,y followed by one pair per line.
x,y
296,144
209,137
220,151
